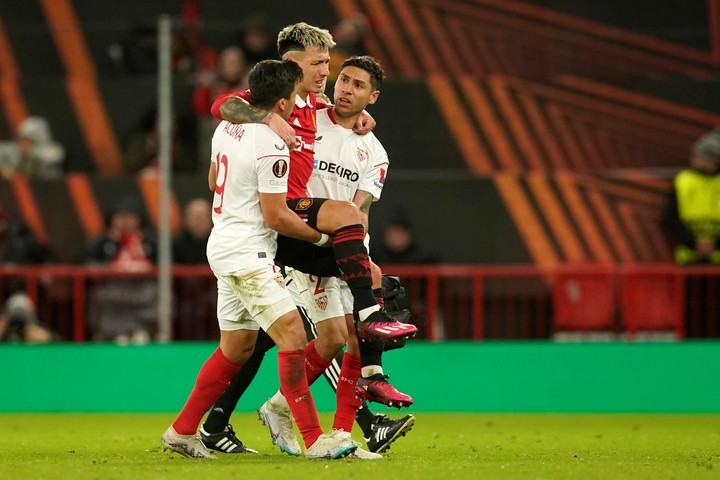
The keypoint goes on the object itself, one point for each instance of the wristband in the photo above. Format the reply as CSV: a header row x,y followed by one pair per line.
x,y
324,237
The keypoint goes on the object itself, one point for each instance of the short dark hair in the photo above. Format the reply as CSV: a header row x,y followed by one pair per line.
x,y
370,65
271,80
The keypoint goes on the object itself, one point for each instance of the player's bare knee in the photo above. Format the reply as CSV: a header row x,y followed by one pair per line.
x,y
288,333
332,336
336,214
350,214
236,346
290,340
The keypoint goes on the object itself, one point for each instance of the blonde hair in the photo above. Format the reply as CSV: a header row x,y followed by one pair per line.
x,y
301,36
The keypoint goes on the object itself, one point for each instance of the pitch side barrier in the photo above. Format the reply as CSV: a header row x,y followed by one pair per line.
x,y
471,302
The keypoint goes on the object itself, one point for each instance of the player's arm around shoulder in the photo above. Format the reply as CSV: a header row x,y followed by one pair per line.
x,y
236,108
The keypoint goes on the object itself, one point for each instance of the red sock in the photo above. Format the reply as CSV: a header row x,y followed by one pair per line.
x,y
294,387
379,297
352,259
347,402
315,365
211,382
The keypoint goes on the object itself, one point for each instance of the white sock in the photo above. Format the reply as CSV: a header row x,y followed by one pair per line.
x,y
371,370
366,312
279,400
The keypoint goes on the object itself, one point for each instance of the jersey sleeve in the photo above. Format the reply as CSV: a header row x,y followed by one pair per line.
x,y
215,109
273,162
377,166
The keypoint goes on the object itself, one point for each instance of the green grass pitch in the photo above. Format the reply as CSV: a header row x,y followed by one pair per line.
x,y
440,447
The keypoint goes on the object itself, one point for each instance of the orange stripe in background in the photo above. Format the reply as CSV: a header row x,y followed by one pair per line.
x,y
457,121
10,96
516,123
150,189
617,236
348,8
87,209
28,208
463,48
558,222
628,215
344,8
637,99
443,42
82,86
532,31
490,123
526,220
581,212
607,33
417,35
548,140
392,38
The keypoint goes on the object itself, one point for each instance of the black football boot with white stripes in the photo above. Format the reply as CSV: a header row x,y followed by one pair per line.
x,y
225,441
385,431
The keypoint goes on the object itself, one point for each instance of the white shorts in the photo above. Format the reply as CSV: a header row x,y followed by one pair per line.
x,y
347,298
252,298
322,297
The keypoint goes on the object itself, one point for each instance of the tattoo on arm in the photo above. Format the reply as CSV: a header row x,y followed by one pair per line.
x,y
237,110
364,207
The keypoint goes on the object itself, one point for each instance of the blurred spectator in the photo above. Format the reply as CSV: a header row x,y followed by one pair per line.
x,y
18,246
190,245
195,303
348,35
230,75
137,52
126,244
257,39
124,309
187,43
19,323
693,216
141,151
33,153
399,246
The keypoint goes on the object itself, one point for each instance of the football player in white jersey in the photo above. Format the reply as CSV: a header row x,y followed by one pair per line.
x,y
350,167
353,167
251,165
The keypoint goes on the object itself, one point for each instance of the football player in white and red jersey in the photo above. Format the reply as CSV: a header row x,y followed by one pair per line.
x,y
251,164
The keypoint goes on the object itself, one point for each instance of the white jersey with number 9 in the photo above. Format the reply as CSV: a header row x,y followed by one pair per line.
x,y
249,159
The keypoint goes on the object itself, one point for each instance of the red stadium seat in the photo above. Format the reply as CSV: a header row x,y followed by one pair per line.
x,y
652,301
584,299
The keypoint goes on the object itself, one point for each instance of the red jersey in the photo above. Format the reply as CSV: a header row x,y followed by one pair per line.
x,y
302,158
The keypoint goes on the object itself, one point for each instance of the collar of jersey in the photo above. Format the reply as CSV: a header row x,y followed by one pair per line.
x,y
300,103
